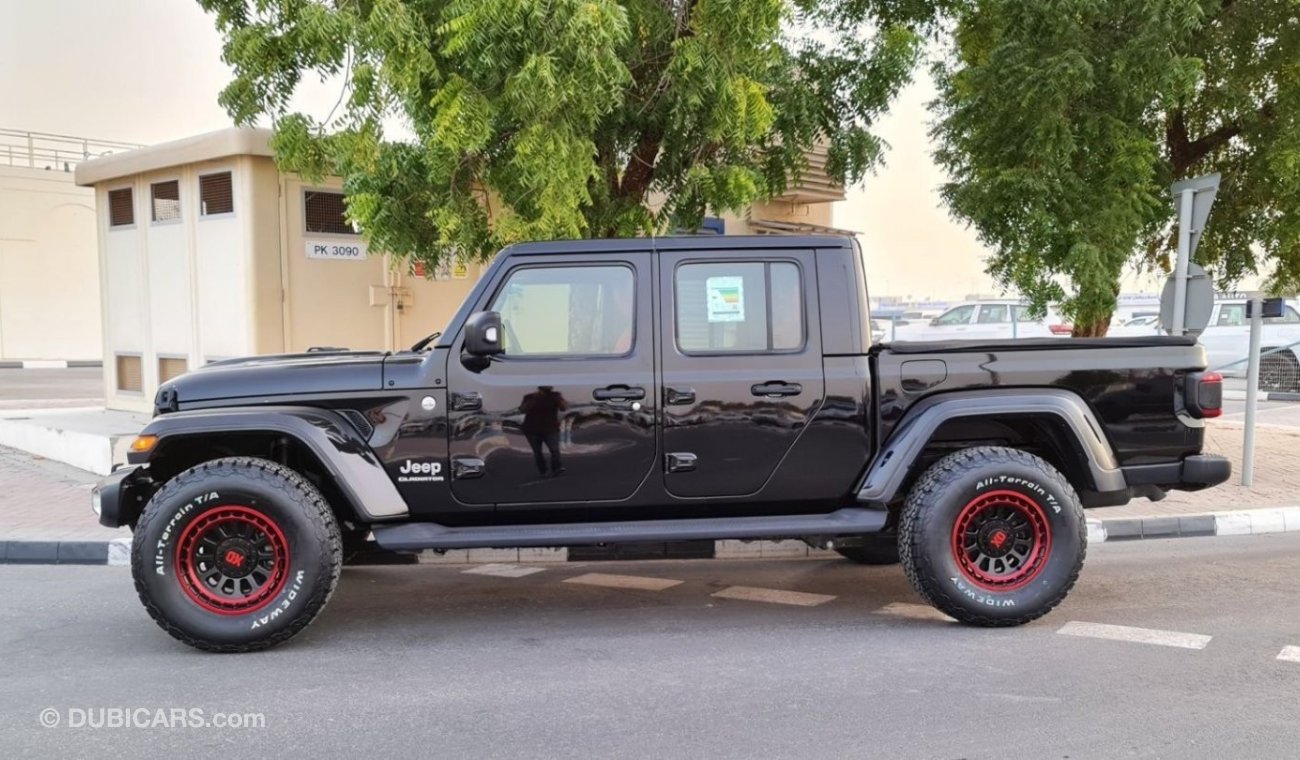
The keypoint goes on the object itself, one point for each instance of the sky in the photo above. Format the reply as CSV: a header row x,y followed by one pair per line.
x,y
148,71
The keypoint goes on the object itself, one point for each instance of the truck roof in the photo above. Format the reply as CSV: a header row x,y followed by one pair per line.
x,y
680,242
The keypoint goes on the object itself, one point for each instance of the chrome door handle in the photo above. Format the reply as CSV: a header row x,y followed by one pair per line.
x,y
776,389
618,393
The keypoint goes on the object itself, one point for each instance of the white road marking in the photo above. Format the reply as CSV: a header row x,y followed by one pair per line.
x,y
914,611
1137,635
1290,654
637,582
503,571
773,596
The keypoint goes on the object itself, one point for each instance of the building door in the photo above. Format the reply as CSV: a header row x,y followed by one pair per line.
x,y
567,414
741,366
335,293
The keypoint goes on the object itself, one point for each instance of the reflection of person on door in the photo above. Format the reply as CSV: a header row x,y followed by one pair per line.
x,y
541,425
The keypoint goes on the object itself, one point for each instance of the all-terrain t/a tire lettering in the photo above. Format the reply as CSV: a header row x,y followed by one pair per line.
x,y
236,555
993,536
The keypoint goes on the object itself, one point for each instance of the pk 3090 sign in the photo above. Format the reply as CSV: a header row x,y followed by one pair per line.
x,y
317,249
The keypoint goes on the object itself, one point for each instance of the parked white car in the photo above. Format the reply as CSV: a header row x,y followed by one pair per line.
x,y
984,320
1227,342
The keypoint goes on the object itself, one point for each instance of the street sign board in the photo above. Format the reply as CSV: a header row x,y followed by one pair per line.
x,y
1204,189
1200,300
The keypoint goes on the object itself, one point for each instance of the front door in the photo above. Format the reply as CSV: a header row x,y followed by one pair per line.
x,y
742,368
567,414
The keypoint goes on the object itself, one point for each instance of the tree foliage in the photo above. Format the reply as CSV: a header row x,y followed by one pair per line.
x,y
1063,122
544,119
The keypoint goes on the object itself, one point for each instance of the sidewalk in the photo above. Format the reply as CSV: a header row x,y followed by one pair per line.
x,y
1277,477
42,500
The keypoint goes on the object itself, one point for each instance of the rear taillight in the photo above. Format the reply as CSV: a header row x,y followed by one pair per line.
x,y
1203,394
1061,329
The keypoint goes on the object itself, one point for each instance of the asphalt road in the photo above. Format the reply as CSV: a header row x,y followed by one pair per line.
x,y
74,386
434,662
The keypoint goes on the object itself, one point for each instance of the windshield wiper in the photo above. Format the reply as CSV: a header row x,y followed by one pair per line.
x,y
425,341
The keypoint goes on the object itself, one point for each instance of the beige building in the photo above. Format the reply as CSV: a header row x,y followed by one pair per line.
x,y
49,268
208,252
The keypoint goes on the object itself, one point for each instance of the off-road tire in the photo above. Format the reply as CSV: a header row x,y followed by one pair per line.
x,y
875,550
986,483
259,510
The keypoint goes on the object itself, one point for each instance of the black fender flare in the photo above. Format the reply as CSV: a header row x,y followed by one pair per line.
x,y
891,467
354,466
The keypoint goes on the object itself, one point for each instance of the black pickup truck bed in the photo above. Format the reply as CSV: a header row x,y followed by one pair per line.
x,y
1037,344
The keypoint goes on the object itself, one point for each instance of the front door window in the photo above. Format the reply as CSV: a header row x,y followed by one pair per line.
x,y
568,311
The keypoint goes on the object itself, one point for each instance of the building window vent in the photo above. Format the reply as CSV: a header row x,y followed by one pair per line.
x,y
327,212
216,195
171,366
166,198
130,374
121,210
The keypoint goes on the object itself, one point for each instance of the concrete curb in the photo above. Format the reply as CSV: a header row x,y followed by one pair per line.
x,y
51,363
89,451
116,551
1242,522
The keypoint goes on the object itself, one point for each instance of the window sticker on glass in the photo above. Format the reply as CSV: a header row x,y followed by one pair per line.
x,y
726,299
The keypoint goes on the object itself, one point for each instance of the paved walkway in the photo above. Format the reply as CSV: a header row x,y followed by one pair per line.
x,y
45,501
42,500
1277,477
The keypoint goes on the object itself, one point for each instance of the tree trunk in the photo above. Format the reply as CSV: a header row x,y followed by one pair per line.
x,y
1095,329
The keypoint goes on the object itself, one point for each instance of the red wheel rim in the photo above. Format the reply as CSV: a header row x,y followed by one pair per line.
x,y
1001,540
232,560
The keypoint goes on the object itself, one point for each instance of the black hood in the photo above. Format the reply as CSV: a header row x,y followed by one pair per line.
x,y
276,375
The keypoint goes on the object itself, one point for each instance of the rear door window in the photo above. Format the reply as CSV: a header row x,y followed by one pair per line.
x,y
993,313
739,307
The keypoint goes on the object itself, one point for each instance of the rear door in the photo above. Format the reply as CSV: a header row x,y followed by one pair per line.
x,y
992,322
741,371
1227,337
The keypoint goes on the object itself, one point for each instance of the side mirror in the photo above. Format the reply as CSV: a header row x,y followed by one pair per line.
x,y
483,334
934,322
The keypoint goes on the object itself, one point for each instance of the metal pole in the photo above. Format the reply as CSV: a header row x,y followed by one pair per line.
x,y
1256,307
1184,257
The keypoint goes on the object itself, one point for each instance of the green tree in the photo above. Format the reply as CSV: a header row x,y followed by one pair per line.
x,y
1063,122
545,119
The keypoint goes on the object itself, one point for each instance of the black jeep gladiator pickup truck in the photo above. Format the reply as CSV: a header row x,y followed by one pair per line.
x,y
613,391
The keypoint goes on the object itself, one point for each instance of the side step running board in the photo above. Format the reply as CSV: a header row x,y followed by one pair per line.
x,y
423,535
